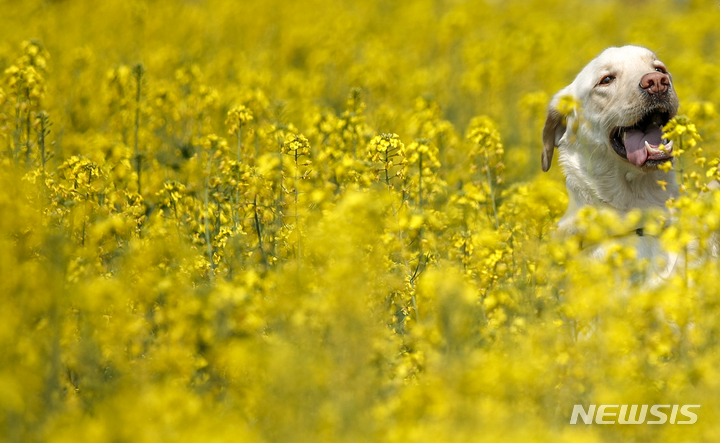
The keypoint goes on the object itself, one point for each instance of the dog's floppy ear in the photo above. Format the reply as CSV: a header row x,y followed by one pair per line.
x,y
553,131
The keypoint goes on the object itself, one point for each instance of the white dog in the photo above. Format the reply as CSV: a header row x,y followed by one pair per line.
x,y
611,145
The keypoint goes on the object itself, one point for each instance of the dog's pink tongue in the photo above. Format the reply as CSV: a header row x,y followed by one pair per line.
x,y
635,143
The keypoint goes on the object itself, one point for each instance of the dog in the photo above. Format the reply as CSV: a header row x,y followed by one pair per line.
x,y
610,145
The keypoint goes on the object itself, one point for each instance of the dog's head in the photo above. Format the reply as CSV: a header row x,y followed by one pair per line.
x,y
626,96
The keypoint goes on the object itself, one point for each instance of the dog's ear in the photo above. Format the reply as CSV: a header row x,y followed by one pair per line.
x,y
552,133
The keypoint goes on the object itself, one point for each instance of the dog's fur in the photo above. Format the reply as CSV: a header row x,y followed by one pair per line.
x,y
612,93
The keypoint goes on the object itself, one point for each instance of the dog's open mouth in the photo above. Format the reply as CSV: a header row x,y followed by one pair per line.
x,y
642,143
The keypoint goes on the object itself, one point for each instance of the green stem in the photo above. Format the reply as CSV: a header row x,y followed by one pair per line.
x,y
420,200
41,138
492,191
27,131
297,217
259,234
208,243
16,133
139,71
237,189
387,176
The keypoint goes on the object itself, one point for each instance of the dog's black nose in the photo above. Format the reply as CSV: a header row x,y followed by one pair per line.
x,y
655,82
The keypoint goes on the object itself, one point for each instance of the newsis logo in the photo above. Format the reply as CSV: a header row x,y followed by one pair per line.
x,y
629,415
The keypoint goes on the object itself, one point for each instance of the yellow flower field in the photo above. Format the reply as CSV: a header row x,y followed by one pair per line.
x,y
325,221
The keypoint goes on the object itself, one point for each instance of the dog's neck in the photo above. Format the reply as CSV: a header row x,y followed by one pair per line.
x,y
611,184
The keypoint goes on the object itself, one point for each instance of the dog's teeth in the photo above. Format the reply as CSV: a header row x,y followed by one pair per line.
x,y
647,145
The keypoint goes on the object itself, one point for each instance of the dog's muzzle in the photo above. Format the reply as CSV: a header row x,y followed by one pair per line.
x,y
642,143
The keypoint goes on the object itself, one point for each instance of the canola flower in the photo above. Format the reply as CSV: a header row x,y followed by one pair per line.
x,y
325,221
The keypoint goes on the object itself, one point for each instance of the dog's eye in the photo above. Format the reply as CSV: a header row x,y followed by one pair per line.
x,y
661,69
607,80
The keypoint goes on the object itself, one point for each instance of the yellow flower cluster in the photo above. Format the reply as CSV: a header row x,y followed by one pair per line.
x,y
324,221
389,151
237,118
